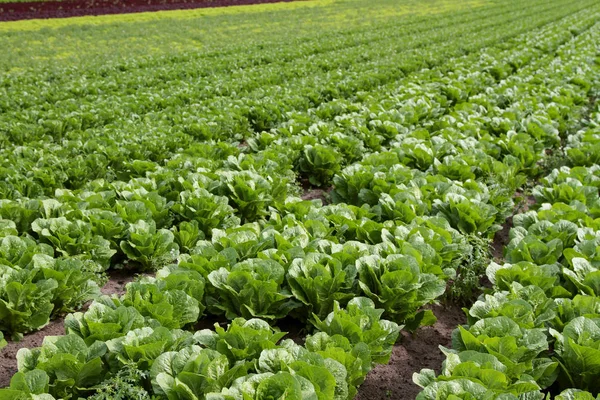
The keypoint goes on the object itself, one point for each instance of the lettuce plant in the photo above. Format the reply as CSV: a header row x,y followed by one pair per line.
x,y
317,280
327,375
528,306
474,375
78,281
576,394
321,369
457,389
351,186
397,285
583,276
158,205
133,211
72,366
356,358
25,302
165,301
578,349
360,322
541,242
469,216
245,241
252,288
19,251
521,350
242,340
142,346
416,153
149,247
192,372
454,168
252,194
319,163
566,192
22,213
48,286
208,210
187,234
587,246
545,277
107,224
104,320
31,385
404,206
282,385
532,249
74,238
579,306
8,228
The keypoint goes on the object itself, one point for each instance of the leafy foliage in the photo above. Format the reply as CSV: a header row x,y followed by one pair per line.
x,y
423,143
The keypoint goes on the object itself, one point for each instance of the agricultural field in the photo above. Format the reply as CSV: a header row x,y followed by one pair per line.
x,y
312,200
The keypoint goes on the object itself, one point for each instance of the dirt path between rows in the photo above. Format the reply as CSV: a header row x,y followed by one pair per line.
x,y
411,354
502,237
76,8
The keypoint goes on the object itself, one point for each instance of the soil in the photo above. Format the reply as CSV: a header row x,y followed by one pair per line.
x,y
75,8
209,322
502,238
117,280
8,360
294,328
529,203
320,194
413,353
310,192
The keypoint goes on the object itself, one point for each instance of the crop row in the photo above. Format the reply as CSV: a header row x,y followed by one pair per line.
x,y
538,329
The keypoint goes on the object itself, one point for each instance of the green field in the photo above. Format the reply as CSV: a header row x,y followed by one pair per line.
x,y
337,166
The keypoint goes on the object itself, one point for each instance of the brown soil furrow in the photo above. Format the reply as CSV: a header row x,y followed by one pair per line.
x,y
411,354
76,8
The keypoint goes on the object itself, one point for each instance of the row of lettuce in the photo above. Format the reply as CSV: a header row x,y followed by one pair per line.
x,y
383,238
538,331
453,145
539,328
106,348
